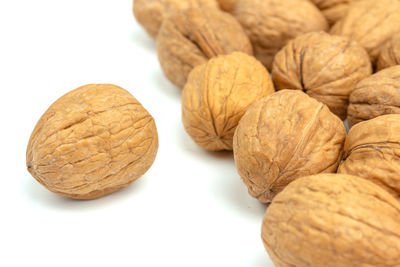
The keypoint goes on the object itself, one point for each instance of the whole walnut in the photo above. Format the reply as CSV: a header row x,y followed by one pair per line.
x,y
390,53
324,66
217,95
91,142
370,23
372,151
191,37
333,10
332,220
283,137
227,5
271,24
151,13
376,95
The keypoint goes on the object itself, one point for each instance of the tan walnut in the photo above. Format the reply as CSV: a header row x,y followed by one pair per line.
x,y
151,13
283,137
227,5
372,151
191,37
91,142
333,10
390,53
332,220
271,24
217,95
324,66
376,95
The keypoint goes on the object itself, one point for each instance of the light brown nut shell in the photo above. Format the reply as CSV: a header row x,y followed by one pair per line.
x,y
191,37
332,220
333,10
324,66
283,137
91,142
270,24
227,5
151,13
217,95
390,53
372,151
371,23
375,96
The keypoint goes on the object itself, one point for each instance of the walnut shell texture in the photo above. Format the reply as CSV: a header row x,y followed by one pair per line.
x,y
390,53
151,13
191,37
375,96
333,10
324,66
332,220
270,24
227,5
218,94
91,142
372,151
283,137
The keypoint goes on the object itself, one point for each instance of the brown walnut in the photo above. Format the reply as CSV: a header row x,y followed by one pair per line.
x,y
217,95
91,142
333,10
283,137
332,220
390,53
227,5
191,37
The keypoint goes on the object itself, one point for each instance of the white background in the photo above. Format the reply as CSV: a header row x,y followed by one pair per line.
x,y
189,209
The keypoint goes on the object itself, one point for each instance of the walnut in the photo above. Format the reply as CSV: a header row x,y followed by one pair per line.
x,y
191,37
91,142
227,5
324,66
151,13
217,95
332,220
283,137
375,96
390,53
333,10
372,151
371,23
270,24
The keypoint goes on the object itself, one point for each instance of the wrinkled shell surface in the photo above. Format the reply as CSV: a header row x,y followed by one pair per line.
x,y
332,220
91,142
372,151
270,24
217,95
283,137
227,5
390,53
371,23
151,13
333,10
376,95
188,39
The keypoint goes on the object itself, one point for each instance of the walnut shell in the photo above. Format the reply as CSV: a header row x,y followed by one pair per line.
x,y
91,142
218,94
390,53
371,23
333,10
283,137
191,37
332,220
376,95
151,13
270,24
372,151
227,5
324,66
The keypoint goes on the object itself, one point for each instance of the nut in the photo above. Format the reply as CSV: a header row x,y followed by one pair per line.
x,y
151,13
376,95
333,10
217,95
91,142
324,66
372,151
390,53
227,5
191,37
283,137
331,220
271,24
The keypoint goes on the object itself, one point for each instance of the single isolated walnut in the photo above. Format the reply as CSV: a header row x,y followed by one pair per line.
x,y
324,66
376,95
333,10
332,220
271,24
372,151
151,13
227,5
283,137
91,142
390,53
217,95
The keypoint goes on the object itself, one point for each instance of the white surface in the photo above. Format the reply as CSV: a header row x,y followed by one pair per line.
x,y
190,209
